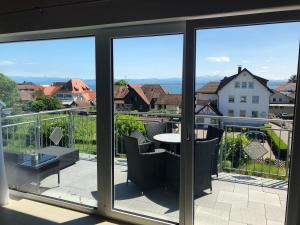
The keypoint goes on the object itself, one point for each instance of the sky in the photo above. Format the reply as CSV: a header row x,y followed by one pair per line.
x,y
270,51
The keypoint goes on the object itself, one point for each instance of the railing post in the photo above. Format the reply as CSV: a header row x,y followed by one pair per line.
x,y
38,132
71,130
287,162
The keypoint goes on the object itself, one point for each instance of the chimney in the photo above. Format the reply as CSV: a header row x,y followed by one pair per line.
x,y
239,68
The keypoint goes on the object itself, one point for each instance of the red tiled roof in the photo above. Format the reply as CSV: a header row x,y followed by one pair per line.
x,y
29,87
52,89
138,89
209,88
170,99
153,91
285,86
90,95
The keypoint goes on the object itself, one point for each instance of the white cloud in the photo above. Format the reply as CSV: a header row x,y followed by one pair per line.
x,y
6,63
218,59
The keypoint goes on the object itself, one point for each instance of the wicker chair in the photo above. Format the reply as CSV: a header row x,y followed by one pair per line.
x,y
145,145
214,132
202,164
153,129
146,170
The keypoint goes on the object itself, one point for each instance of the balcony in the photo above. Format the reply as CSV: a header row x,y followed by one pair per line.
x,y
247,190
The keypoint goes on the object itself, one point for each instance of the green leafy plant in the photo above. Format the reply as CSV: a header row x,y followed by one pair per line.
x,y
279,147
234,152
43,103
125,125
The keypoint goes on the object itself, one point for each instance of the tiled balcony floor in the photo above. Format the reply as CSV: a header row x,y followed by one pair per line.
x,y
235,199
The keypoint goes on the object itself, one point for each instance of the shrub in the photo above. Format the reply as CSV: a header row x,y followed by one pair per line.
x,y
47,128
124,125
234,152
279,147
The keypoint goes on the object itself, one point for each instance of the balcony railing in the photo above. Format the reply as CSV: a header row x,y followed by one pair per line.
x,y
29,132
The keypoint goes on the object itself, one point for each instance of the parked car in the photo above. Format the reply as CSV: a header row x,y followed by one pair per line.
x,y
256,135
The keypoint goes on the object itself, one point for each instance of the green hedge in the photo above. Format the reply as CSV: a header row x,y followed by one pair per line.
x,y
234,153
279,147
124,125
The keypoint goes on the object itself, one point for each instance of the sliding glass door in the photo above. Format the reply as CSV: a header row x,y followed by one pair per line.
x,y
244,96
145,82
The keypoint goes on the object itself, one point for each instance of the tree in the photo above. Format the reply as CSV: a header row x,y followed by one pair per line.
x,y
293,79
43,102
8,90
121,82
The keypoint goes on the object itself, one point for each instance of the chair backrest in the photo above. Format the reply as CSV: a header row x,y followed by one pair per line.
x,y
153,129
214,132
203,163
139,136
132,152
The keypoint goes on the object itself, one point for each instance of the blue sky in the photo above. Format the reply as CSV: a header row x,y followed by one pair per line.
x,y
270,51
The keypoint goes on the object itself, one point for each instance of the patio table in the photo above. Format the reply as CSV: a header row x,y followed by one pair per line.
x,y
169,138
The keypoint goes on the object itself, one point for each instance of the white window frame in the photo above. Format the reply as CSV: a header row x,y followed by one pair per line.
x,y
230,112
242,110
231,97
237,84
243,97
253,112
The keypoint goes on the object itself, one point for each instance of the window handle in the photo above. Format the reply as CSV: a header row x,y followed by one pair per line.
x,y
187,134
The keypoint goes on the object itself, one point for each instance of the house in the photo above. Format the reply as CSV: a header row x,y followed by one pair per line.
x,y
281,98
28,91
153,92
169,102
120,92
136,98
241,95
68,92
202,118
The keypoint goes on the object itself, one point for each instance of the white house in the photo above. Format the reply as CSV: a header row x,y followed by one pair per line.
x,y
241,95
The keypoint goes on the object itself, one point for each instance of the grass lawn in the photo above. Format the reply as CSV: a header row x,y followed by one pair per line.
x,y
257,169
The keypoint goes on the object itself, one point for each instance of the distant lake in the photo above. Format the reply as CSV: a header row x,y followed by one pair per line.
x,y
177,88
173,86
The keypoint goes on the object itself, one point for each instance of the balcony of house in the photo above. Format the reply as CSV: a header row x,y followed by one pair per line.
x,y
54,154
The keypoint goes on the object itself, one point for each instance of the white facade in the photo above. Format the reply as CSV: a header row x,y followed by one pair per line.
x,y
250,99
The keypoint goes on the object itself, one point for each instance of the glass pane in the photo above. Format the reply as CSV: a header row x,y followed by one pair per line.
x,y
49,142
245,116
147,115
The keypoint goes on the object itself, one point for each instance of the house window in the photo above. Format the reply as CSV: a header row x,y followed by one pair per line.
x,y
280,99
255,99
244,84
274,99
251,84
237,84
242,113
231,99
254,114
230,112
243,99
